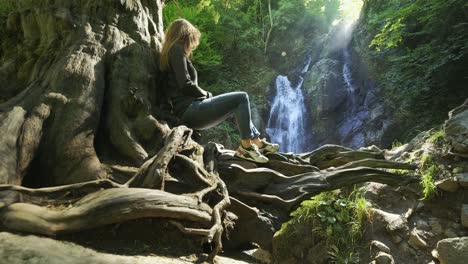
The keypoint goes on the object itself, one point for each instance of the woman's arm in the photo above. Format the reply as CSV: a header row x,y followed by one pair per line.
x,y
186,85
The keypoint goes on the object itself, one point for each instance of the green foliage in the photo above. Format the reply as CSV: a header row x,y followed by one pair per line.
x,y
6,6
438,137
331,217
429,172
418,56
396,143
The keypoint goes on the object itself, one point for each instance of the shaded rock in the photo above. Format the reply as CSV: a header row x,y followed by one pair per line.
x,y
318,253
417,239
33,249
384,258
448,185
452,250
464,215
450,233
462,179
436,227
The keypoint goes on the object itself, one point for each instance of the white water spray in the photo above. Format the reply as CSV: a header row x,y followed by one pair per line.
x,y
287,123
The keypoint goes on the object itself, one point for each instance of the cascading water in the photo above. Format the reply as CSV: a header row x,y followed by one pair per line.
x,y
288,115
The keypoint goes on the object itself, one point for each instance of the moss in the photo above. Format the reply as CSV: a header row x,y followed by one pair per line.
x,y
438,137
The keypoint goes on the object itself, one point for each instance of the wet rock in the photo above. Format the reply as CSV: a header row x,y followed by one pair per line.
x,y
462,179
464,215
384,258
448,185
417,239
452,250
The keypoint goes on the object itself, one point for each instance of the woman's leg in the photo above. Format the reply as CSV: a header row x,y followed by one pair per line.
x,y
212,111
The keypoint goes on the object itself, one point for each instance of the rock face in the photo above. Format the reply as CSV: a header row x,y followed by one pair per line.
x,y
453,250
325,96
456,129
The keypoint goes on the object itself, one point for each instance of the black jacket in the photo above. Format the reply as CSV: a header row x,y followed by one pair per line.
x,y
182,84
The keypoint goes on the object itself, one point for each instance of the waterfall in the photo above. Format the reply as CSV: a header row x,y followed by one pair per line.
x,y
288,115
348,82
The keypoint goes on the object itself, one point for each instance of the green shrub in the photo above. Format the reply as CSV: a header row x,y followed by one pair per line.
x,y
429,172
331,217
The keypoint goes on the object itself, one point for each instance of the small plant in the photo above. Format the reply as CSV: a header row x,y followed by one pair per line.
x,y
396,144
438,137
429,172
331,217
428,182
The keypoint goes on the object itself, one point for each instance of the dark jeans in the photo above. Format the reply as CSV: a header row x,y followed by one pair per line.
x,y
206,113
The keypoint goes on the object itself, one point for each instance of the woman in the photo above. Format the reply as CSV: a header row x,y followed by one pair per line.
x,y
198,108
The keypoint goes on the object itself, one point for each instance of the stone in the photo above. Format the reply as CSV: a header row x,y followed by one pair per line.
x,y
417,239
404,247
452,250
384,258
464,215
40,250
462,179
436,228
394,222
261,255
456,131
318,253
448,185
396,239
450,233
380,246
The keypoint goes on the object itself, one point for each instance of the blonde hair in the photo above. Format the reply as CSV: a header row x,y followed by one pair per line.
x,y
179,32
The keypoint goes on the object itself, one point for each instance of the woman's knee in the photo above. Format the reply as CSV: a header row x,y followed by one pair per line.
x,y
243,96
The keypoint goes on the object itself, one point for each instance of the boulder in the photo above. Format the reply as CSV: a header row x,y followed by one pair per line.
x,y
380,246
452,250
417,239
462,179
448,185
325,97
456,129
384,258
33,249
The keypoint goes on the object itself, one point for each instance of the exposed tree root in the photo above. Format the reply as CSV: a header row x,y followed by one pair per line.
x,y
76,207
102,208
